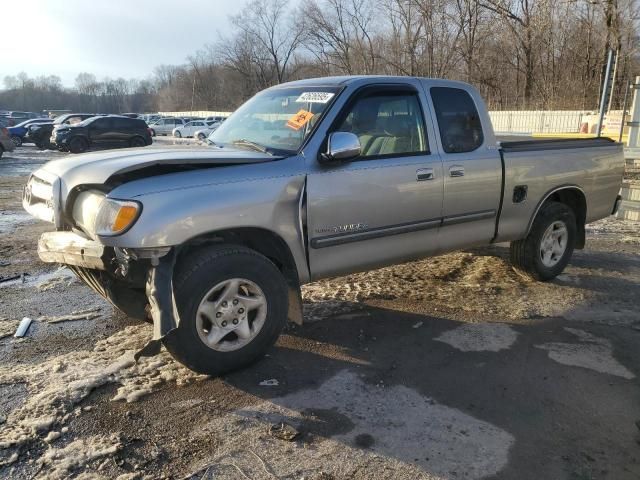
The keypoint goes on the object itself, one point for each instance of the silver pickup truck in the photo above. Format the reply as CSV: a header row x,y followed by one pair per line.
x,y
307,180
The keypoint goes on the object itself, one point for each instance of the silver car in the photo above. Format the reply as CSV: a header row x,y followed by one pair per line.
x,y
165,126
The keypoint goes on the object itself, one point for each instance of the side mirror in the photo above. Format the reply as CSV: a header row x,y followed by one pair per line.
x,y
341,146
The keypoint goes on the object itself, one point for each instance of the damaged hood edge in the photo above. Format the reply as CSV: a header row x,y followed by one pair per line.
x,y
97,168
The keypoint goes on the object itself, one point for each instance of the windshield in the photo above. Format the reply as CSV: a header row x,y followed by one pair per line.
x,y
275,121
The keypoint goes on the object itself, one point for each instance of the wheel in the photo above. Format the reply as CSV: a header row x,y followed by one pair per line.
x,y
137,142
545,252
177,134
153,132
17,141
232,303
1,151
78,145
201,137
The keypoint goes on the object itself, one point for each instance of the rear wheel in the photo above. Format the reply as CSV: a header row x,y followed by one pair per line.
x,y
17,141
152,132
201,137
233,305
78,145
177,134
546,251
137,142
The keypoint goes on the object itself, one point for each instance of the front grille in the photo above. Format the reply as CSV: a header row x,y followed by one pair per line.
x,y
38,198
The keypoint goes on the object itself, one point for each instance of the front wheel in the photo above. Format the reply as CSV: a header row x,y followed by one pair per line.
x,y
17,141
546,251
232,304
201,137
78,145
177,134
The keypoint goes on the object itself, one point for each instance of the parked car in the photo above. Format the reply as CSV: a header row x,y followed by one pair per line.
x,y
110,131
19,132
188,129
165,126
40,134
6,144
202,135
16,117
215,119
309,180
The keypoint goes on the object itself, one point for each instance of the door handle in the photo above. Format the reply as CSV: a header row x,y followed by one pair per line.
x,y
456,171
423,174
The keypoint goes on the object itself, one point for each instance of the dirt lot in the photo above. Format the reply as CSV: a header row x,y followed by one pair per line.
x,y
450,368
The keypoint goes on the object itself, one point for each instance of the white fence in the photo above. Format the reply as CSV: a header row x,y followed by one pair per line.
x,y
532,121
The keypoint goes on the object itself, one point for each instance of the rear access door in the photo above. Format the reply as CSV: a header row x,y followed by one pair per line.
x,y
471,164
385,205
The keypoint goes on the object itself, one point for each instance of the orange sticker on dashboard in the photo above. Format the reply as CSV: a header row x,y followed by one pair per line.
x,y
299,119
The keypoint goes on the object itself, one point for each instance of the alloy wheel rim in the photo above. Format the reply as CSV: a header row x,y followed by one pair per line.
x,y
554,244
231,314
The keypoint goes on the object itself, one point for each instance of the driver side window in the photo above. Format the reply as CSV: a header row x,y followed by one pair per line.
x,y
387,124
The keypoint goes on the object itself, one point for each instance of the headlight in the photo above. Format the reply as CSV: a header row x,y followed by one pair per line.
x,y
98,215
116,216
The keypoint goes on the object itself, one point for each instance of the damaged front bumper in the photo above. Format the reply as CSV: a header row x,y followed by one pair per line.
x,y
71,249
97,265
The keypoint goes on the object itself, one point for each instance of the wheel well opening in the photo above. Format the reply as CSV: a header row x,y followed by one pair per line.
x,y
575,200
261,240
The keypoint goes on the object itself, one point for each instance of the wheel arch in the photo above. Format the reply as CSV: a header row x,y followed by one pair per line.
x,y
267,243
574,197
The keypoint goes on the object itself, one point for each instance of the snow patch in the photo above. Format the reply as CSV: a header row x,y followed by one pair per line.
x,y
59,462
56,385
592,352
480,337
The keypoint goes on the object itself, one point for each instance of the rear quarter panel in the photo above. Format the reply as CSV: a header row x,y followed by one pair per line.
x,y
597,171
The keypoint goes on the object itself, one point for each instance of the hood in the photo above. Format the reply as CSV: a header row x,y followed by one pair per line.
x,y
100,167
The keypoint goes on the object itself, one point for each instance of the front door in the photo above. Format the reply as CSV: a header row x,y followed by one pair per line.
x,y
385,205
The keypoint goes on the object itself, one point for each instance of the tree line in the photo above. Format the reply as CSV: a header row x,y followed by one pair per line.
x,y
521,54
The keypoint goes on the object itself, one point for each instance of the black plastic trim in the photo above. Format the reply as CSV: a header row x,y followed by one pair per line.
x,y
370,234
468,217
556,144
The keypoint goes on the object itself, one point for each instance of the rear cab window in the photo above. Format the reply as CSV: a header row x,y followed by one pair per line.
x,y
458,119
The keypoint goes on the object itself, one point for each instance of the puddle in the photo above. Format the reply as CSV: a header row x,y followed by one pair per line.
x,y
9,221
43,281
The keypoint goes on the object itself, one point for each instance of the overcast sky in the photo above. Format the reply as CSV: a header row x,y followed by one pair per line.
x,y
115,38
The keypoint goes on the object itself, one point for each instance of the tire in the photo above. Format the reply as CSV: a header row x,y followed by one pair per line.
x,y
177,135
532,258
137,142
196,281
1,151
17,141
201,137
78,145
153,132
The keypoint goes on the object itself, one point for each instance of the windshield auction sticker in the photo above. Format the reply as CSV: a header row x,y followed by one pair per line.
x,y
314,97
299,119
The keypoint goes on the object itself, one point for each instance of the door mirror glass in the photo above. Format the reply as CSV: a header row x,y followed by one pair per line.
x,y
342,146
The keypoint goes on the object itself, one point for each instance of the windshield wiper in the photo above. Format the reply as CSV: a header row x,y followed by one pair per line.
x,y
248,143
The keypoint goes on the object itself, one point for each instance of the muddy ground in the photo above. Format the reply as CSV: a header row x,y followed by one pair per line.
x,y
450,368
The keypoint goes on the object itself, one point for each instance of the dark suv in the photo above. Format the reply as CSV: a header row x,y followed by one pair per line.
x,y
110,131
40,134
